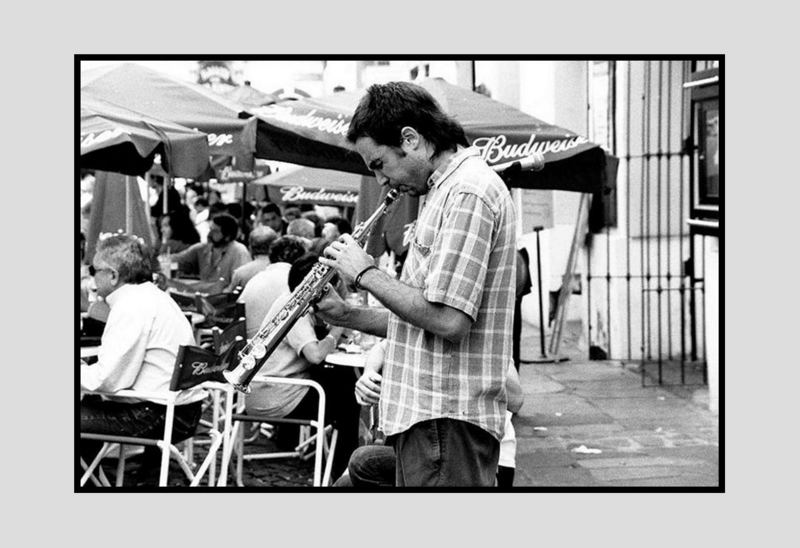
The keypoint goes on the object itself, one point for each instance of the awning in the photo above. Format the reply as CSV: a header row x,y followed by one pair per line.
x,y
312,132
308,185
116,139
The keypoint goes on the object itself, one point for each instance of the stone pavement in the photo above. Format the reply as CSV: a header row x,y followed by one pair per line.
x,y
589,424
584,425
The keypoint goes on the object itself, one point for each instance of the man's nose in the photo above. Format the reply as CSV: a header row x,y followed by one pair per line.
x,y
382,179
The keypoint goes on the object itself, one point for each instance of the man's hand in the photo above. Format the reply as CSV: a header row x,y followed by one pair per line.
x,y
347,257
368,388
331,307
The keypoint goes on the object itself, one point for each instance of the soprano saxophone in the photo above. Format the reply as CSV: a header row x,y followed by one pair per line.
x,y
253,355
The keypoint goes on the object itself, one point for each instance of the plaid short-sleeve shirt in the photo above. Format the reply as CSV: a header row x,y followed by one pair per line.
x,y
463,254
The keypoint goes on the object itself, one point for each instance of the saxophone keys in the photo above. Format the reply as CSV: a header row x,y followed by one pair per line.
x,y
248,362
259,350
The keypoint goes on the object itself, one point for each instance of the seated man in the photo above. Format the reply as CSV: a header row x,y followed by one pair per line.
x,y
263,288
300,355
216,259
261,239
303,228
137,350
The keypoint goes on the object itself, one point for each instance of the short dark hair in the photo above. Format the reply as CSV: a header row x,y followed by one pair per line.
x,y
227,224
341,224
300,268
387,108
286,249
183,229
271,207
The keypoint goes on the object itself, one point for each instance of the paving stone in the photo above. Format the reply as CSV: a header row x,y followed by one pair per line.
x,y
560,476
544,458
681,481
638,461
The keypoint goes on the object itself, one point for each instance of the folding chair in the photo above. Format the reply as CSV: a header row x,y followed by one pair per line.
x,y
223,338
223,342
219,310
185,300
194,367
319,439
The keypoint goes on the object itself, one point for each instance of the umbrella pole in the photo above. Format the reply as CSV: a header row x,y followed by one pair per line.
x,y
244,202
128,206
167,181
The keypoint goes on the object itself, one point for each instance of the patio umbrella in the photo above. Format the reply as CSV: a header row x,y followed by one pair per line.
x,y
116,139
312,132
117,205
135,87
249,96
308,185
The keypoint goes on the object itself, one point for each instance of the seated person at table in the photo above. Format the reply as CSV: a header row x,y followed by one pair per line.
x,y
261,239
263,288
177,231
300,355
375,465
335,227
215,260
270,215
137,350
303,228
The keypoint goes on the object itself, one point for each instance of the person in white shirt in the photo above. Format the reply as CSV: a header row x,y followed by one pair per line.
x,y
138,349
261,291
201,214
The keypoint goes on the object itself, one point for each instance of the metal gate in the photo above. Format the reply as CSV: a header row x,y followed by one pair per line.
x,y
645,273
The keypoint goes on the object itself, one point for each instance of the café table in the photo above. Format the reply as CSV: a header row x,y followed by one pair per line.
x,y
356,358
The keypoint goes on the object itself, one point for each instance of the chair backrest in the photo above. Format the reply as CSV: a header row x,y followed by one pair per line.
x,y
221,309
195,365
186,301
225,337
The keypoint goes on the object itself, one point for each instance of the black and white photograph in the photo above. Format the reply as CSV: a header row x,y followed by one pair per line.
x,y
401,273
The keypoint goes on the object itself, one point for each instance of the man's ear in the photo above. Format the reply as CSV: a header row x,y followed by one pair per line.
x,y
409,137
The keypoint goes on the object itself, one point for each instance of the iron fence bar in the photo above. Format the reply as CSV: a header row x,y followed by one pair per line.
x,y
659,234
628,201
612,125
648,262
589,127
681,233
703,308
669,209
641,213
692,309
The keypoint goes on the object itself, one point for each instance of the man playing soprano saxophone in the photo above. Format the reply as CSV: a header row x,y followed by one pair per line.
x,y
448,319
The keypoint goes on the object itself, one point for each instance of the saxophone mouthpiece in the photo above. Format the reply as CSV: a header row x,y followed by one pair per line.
x,y
391,196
